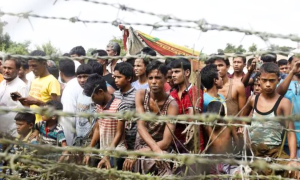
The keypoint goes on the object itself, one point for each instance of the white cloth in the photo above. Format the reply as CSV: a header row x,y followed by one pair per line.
x,y
7,121
30,76
108,67
69,100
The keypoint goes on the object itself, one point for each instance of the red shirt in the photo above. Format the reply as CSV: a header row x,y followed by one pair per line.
x,y
191,93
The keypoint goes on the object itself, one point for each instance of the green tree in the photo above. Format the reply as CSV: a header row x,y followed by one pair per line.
x,y
229,48
120,42
18,48
5,40
48,48
252,48
220,51
240,49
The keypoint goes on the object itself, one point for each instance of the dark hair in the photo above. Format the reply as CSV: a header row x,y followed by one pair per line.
x,y
291,59
24,64
37,53
125,69
270,68
169,60
282,62
208,74
115,47
148,51
28,117
269,57
181,63
240,55
79,50
17,62
97,67
249,62
66,54
131,61
54,71
161,67
216,107
55,104
94,83
84,69
99,52
67,67
216,58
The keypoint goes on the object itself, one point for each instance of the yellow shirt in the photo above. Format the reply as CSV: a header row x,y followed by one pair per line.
x,y
42,88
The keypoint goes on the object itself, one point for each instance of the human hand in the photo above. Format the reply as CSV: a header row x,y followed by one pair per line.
x,y
128,164
15,96
33,135
296,68
86,160
294,174
104,162
29,101
189,131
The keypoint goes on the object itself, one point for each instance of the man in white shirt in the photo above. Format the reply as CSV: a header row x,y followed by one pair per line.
x,y
11,84
69,97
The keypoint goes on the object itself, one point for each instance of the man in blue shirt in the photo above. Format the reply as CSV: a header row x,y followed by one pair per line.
x,y
290,88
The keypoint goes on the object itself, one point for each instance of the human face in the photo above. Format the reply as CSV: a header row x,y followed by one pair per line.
x,y
110,51
101,61
98,97
79,60
23,127
219,82
81,78
139,67
10,72
120,80
238,64
257,88
38,67
170,79
268,82
179,75
222,68
156,81
284,69
22,72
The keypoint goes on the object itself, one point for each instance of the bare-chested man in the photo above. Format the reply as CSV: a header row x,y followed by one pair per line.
x,y
153,136
234,92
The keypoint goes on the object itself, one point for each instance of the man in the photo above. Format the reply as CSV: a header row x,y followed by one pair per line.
x,y
153,136
290,89
266,142
123,75
109,132
190,101
44,88
212,81
234,92
77,52
113,49
104,62
140,69
69,96
239,63
11,84
24,69
283,66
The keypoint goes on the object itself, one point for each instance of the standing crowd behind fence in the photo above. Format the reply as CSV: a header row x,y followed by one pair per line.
x,y
269,89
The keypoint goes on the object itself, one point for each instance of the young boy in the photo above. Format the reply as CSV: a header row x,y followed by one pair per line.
x,y
25,124
221,138
267,141
123,74
212,81
109,132
283,66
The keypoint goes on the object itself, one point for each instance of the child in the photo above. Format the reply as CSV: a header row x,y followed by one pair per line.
x,y
266,141
221,138
49,130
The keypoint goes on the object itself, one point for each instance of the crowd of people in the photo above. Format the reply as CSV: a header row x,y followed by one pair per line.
x,y
268,89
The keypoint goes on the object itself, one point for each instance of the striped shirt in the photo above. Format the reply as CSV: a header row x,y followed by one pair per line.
x,y
128,104
51,136
108,127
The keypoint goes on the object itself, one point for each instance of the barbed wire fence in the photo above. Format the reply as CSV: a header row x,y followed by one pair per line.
x,y
42,168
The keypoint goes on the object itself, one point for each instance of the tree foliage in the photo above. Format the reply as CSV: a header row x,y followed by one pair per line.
x,y
230,48
252,48
48,48
274,47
